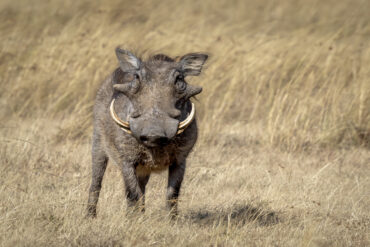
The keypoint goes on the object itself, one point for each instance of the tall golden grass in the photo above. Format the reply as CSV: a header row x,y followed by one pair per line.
x,y
283,156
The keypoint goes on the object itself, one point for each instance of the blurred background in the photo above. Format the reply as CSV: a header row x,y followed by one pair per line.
x,y
286,85
294,71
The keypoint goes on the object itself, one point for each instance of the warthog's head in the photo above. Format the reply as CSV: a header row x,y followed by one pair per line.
x,y
158,92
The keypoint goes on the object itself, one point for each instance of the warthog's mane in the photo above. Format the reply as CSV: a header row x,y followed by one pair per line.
x,y
161,57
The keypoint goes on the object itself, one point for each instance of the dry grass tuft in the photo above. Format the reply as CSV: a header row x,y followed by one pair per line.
x,y
283,156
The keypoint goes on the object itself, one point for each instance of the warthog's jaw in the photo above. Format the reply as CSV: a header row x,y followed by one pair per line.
x,y
125,126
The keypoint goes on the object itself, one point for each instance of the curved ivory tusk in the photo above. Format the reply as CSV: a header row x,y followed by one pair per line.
x,y
187,121
125,126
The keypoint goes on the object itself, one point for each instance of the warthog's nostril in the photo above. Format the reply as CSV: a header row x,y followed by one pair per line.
x,y
154,140
143,138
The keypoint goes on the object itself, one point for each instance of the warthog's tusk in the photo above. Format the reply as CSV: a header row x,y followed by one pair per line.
x,y
125,126
184,124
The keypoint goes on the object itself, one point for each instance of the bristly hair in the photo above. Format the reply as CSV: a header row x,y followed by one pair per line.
x,y
161,57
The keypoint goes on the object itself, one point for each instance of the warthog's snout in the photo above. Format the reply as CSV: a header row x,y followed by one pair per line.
x,y
154,132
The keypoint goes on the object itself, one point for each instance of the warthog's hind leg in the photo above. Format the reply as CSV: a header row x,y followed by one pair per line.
x,y
175,176
99,164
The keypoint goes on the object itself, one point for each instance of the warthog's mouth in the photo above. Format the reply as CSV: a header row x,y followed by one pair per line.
x,y
125,126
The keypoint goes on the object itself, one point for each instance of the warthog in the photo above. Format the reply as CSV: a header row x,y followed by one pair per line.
x,y
145,122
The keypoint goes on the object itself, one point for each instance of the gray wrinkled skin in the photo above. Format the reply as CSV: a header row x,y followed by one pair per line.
x,y
153,97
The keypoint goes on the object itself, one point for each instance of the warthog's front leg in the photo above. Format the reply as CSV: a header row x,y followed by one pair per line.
x,y
143,180
99,164
135,187
175,176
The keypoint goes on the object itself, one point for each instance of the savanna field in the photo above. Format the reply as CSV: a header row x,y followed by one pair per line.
x,y
283,156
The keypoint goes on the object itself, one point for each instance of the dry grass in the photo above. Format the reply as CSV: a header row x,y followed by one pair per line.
x,y
283,157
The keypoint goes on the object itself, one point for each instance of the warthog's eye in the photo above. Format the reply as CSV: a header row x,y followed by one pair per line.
x,y
135,83
180,84
129,77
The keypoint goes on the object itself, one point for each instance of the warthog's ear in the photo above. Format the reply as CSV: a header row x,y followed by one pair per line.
x,y
127,61
191,64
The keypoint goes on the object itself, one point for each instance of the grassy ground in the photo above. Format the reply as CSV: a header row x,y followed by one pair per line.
x,y
284,149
